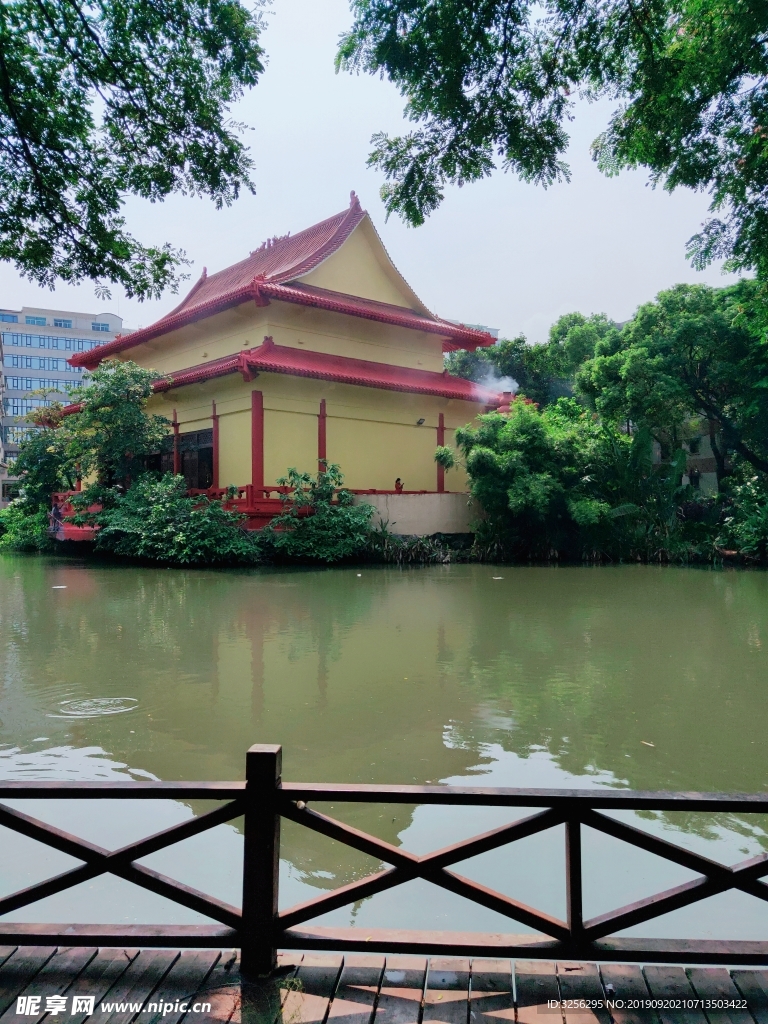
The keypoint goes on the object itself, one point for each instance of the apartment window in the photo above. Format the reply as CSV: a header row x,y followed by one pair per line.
x,y
99,327
62,323
30,383
35,321
12,339
18,362
21,406
8,318
15,435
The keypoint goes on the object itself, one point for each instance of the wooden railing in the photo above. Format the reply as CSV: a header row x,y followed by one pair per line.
x,y
260,928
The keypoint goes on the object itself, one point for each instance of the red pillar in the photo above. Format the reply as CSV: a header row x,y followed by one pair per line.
x,y
215,418
257,442
176,456
321,437
440,443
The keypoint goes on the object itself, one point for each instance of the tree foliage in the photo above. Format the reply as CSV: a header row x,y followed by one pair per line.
x,y
107,100
490,82
542,373
688,354
156,520
558,483
319,521
112,433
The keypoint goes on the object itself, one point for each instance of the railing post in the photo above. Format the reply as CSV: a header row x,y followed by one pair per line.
x,y
573,894
261,860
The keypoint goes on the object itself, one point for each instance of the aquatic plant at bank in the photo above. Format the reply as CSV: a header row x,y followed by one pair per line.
x,y
319,521
156,520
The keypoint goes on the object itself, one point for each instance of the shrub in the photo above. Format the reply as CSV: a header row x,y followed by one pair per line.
x,y
557,483
746,527
155,519
319,521
24,527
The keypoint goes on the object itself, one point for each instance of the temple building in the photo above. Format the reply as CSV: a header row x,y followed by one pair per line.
x,y
313,348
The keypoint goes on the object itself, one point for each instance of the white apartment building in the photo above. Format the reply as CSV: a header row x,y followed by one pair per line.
x,y
35,344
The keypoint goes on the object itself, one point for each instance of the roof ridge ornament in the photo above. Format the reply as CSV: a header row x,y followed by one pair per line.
x,y
354,202
271,243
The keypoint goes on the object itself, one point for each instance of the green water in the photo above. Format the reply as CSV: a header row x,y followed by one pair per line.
x,y
640,677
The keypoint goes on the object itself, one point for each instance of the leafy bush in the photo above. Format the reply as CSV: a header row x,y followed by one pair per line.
x,y
745,529
155,519
24,527
558,483
319,521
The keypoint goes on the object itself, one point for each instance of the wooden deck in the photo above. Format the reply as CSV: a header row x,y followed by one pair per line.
x,y
205,987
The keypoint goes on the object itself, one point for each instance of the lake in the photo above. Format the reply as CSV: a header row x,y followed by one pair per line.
x,y
628,676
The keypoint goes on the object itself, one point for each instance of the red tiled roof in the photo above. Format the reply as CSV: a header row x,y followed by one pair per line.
x,y
271,358
263,276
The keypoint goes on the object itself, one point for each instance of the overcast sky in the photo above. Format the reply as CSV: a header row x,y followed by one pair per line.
x,y
500,252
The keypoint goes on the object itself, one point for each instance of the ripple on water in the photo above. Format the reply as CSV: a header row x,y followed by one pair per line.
x,y
94,707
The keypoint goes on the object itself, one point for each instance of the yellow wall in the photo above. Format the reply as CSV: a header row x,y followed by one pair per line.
x,y
362,267
293,326
290,441
235,449
372,434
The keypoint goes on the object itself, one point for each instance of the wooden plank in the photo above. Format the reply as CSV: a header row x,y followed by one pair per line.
x,y
6,952
222,989
101,975
753,986
672,983
52,979
535,985
626,981
715,983
180,986
136,985
492,997
402,990
581,982
19,969
487,796
358,987
206,936
446,997
315,984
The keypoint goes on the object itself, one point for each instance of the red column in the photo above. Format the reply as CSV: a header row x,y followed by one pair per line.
x,y
215,418
257,442
176,457
321,437
440,442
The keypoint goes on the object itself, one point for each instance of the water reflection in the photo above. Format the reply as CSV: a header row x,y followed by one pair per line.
x,y
627,676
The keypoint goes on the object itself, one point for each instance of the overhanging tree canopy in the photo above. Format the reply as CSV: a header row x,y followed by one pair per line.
x,y
492,82
112,98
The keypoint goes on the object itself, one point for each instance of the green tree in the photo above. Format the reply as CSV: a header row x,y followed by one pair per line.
x,y
688,355
558,483
320,521
103,101
42,464
490,82
111,434
573,338
542,372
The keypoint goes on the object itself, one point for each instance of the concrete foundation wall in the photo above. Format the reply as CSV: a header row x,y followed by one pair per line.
x,y
421,514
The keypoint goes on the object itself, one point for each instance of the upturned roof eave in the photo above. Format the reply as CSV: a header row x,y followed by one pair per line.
x,y
263,291
271,358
